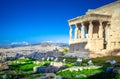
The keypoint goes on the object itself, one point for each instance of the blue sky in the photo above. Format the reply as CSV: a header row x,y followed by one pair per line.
x,y
35,21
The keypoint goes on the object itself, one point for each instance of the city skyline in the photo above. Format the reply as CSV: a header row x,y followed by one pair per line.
x,y
36,21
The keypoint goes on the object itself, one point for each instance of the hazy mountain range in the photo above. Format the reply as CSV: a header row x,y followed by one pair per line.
x,y
23,44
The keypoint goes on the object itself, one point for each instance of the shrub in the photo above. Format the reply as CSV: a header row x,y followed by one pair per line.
x,y
68,59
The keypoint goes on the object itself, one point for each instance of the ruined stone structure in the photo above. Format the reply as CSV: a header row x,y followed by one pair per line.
x,y
98,31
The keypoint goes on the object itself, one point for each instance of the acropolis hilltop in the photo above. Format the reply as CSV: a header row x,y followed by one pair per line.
x,y
97,32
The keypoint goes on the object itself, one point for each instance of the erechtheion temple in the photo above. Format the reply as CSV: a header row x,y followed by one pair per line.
x,y
98,31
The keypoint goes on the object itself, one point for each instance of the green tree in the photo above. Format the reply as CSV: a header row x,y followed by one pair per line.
x,y
65,50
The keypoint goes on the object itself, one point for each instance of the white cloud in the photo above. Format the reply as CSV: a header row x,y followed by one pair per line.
x,y
20,43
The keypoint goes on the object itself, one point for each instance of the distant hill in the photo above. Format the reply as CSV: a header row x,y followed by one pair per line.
x,y
43,44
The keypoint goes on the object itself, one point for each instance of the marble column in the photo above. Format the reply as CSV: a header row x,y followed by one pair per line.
x,y
76,32
90,32
108,31
82,30
79,32
100,30
70,32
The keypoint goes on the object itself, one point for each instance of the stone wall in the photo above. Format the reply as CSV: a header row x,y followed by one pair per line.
x,y
96,44
114,39
78,49
107,9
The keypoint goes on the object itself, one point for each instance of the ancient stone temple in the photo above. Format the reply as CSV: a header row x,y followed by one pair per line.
x,y
97,33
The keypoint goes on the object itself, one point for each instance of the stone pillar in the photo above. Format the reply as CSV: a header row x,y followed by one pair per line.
x,y
100,30
76,32
107,32
90,32
70,32
82,30
107,29
79,32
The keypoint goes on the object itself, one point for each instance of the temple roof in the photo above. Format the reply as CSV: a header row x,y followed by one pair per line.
x,y
103,13
89,17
